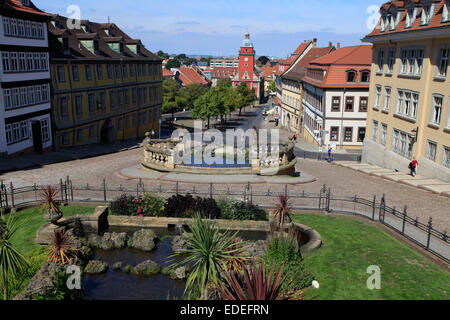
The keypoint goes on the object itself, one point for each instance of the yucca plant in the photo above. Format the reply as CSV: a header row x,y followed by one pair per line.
x,y
61,247
238,256
208,253
252,284
11,261
48,195
282,211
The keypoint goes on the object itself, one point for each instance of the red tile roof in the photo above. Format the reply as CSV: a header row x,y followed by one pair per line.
x,y
167,73
336,64
268,72
18,6
222,72
436,21
191,75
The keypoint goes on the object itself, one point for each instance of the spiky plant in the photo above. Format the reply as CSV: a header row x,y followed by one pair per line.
x,y
61,247
253,284
48,196
282,210
11,261
208,253
238,256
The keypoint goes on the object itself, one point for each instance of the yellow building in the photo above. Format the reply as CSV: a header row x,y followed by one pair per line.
x,y
106,86
409,99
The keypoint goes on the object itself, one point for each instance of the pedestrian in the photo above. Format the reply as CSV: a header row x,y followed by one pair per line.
x,y
413,166
295,136
329,153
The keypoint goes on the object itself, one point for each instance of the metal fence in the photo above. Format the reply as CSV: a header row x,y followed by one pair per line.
x,y
423,234
316,155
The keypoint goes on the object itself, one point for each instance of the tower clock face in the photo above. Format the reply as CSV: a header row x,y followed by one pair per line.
x,y
246,59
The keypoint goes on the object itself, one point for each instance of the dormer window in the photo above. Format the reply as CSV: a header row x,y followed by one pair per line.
x,y
391,21
427,14
383,23
65,43
365,76
446,11
410,17
85,28
351,76
25,2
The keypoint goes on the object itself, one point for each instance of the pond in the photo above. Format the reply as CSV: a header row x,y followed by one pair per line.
x,y
119,285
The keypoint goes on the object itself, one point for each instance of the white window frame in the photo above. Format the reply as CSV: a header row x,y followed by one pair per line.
x,y
377,98
445,156
391,61
375,130
407,104
6,26
431,154
380,62
446,11
383,134
7,98
443,59
387,98
436,110
45,130
6,62
9,134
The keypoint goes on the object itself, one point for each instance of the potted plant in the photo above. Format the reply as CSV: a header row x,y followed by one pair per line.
x,y
52,212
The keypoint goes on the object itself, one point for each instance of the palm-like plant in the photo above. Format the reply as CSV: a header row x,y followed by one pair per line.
x,y
238,256
282,210
253,284
48,195
11,261
208,253
61,247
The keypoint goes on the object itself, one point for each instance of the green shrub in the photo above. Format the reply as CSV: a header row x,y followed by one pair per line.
x,y
235,209
283,250
153,206
146,205
186,207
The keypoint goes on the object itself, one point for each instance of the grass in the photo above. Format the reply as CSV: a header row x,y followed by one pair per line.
x,y
350,246
30,220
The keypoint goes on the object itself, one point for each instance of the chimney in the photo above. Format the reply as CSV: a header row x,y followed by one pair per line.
x,y
330,44
338,45
315,42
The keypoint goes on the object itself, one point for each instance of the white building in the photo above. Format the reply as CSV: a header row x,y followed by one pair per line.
x,y
24,79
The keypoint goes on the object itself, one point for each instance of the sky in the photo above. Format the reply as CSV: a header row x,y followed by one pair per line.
x,y
217,27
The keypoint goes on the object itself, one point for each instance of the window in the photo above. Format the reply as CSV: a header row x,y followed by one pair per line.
x,y
112,100
31,97
335,104
351,76
404,67
363,104
91,104
361,134
150,69
132,70
401,144
334,135
92,131
6,62
75,75
387,99
411,61
348,135
37,62
377,100
407,103
109,71
22,62
120,98
65,139
45,130
436,109
383,134
431,150
380,61
410,17
133,96
80,135
426,14
6,26
349,101
99,72
79,107
442,64
446,157
125,70
38,95
63,109
87,69
61,76
374,130
127,97
101,101
365,76
117,70
9,134
446,11
119,124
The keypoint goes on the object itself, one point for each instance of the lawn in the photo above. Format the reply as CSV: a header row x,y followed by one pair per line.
x,y
350,246
30,220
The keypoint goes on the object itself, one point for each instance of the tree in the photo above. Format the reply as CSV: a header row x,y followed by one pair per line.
x,y
191,93
272,86
224,83
263,60
247,96
172,100
232,100
211,104
173,63
181,56
11,261
162,54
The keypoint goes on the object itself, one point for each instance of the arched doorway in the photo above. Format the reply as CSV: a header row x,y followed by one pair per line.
x,y
107,132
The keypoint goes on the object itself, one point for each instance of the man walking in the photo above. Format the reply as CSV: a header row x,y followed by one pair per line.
x,y
329,153
413,166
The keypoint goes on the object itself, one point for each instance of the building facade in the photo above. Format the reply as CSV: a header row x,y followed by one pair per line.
x,y
247,70
224,63
25,79
106,86
335,93
409,113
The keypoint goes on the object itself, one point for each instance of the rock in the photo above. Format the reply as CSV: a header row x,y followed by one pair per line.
x,y
255,249
146,268
179,274
180,242
94,241
127,269
143,239
42,284
120,240
96,267
117,265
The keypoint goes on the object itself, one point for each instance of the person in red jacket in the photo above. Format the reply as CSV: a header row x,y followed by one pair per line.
x,y
413,166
